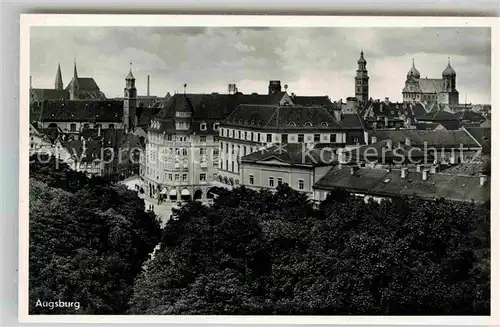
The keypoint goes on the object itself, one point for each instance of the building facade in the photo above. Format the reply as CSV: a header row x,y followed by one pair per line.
x,y
431,90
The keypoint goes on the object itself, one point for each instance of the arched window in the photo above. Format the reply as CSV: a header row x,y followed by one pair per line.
x,y
324,124
308,124
291,124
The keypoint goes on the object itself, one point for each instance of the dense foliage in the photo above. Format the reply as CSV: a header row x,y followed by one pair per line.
x,y
88,241
263,253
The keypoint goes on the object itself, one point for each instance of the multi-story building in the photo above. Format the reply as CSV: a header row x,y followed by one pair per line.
x,y
252,127
293,164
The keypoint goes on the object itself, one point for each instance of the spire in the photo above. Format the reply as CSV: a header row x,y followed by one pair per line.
x,y
413,72
130,75
362,58
58,85
75,73
449,71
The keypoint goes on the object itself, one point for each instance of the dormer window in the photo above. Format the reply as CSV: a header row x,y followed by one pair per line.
x,y
324,124
291,124
240,121
252,122
308,124
246,122
203,126
216,126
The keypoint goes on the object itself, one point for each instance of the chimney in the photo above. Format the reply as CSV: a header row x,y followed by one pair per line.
x,y
482,179
148,86
407,141
419,168
404,172
353,169
386,101
374,139
434,169
99,130
374,125
389,144
424,174
338,115
386,121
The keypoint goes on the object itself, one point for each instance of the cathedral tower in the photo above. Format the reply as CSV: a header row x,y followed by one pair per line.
x,y
74,90
361,80
450,95
130,103
58,85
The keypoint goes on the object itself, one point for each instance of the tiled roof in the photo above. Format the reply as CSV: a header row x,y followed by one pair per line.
x,y
389,183
469,115
437,115
431,85
82,111
482,135
293,154
282,117
351,121
48,94
385,151
439,138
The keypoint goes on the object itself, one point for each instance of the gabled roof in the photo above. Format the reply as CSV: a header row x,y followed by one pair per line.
x,y
438,138
351,121
295,154
437,116
431,85
84,84
482,135
82,111
389,183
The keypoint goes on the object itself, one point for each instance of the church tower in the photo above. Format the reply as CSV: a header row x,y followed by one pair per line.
x,y
74,90
450,93
130,103
58,85
361,80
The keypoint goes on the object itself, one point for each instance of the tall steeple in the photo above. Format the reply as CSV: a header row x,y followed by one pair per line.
x,y
361,79
75,87
58,85
130,102
75,73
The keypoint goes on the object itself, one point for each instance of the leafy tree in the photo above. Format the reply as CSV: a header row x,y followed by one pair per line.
x,y
277,253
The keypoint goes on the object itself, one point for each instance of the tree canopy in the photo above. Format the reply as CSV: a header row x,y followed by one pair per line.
x,y
277,253
88,241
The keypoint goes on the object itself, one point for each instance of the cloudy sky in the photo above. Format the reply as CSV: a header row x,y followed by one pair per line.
x,y
311,61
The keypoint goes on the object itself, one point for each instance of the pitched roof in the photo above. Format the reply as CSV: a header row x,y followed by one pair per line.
x,y
438,138
384,150
390,183
83,111
293,154
84,84
482,135
282,117
437,115
469,115
351,121
431,85
48,94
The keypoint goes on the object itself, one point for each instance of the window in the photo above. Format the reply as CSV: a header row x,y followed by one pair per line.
x,y
232,148
308,124
72,127
324,124
301,138
333,138
301,184
269,138
169,177
203,138
284,138
239,134
111,126
232,166
203,126
251,179
258,137
203,151
355,139
85,126
232,133
244,151
216,126
169,137
251,136
184,152
280,181
184,177
246,135
316,137
227,147
203,177
292,124
177,177
177,151
271,181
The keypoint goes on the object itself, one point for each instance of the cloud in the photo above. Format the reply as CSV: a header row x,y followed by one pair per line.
x,y
310,60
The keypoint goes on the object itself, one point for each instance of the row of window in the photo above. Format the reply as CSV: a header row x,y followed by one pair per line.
x,y
177,177
157,138
72,127
269,137
279,180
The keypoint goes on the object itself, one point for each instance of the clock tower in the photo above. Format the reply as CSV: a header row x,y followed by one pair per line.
x,y
361,80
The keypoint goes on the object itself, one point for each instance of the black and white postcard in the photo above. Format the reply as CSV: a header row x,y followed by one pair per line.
x,y
251,169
